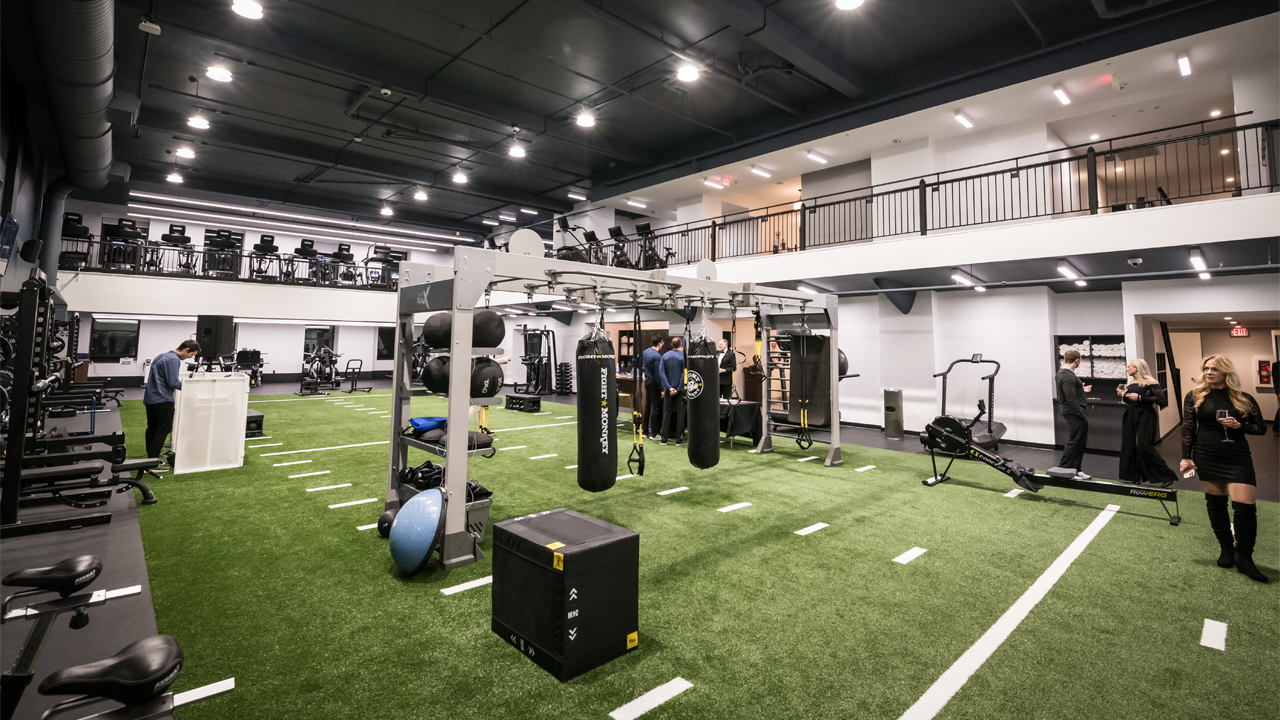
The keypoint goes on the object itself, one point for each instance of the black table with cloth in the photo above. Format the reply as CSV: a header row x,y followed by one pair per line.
x,y
741,419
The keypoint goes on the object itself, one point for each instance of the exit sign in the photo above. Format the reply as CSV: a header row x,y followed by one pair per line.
x,y
1239,332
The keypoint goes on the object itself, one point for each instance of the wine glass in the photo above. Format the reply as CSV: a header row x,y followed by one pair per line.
x,y
1223,415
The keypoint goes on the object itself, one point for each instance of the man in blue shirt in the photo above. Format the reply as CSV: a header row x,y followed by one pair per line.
x,y
672,379
651,359
158,398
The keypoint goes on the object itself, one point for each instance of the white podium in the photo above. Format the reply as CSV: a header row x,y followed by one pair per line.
x,y
209,421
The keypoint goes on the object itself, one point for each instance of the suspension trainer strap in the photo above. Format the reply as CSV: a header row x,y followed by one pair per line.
x,y
798,391
635,461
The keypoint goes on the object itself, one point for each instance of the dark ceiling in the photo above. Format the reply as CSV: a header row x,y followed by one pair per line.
x,y
341,104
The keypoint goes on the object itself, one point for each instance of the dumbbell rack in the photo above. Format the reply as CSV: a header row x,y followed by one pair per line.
x,y
564,379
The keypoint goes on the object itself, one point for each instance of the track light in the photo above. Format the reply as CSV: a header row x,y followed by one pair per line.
x,y
174,178
1184,63
687,73
386,210
712,182
816,157
198,121
516,150
964,120
460,177
487,221
1067,270
247,8
576,196
187,153
219,73
527,211
637,203
761,172
1197,260
585,118
848,4
1061,93
420,194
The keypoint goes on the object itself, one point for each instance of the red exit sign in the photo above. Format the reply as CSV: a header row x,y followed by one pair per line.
x,y
1239,332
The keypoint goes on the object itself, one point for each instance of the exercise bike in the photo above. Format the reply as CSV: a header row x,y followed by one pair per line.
x,y
650,258
986,435
138,677
319,369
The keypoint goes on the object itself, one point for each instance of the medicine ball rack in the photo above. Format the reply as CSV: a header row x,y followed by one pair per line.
x,y
523,274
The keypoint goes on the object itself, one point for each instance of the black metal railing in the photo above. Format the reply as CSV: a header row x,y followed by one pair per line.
x,y
1113,175
134,257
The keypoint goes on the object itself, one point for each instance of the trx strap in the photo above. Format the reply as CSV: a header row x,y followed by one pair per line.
x,y
484,420
733,398
635,462
798,393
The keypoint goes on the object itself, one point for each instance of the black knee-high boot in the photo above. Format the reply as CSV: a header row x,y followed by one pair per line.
x,y
1220,521
1246,534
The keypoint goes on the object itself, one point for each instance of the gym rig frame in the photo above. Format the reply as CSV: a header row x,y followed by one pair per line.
x,y
524,273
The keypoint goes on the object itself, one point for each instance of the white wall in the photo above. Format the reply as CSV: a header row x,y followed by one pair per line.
x,y
281,345
1249,293
907,360
154,338
1089,313
861,398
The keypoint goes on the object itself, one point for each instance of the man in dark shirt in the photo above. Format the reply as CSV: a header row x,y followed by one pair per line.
x,y
158,398
1071,399
672,379
728,363
651,359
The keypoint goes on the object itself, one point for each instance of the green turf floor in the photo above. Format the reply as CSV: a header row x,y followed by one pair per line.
x,y
260,580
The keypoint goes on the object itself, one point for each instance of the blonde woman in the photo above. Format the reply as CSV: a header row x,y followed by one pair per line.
x,y
1216,416
1143,398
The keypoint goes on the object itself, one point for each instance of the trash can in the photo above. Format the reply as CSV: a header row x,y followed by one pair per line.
x,y
892,414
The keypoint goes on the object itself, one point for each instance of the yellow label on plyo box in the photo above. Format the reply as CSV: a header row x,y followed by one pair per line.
x,y
556,545
633,640
557,561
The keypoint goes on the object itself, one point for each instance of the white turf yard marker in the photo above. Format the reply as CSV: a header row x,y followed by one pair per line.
x,y
959,673
812,529
254,439
295,462
570,467
544,457
375,412
467,585
250,447
1014,492
311,474
563,417
535,427
672,490
329,487
1214,634
335,447
910,555
865,468
543,413
811,457
731,508
367,527
305,399
625,477
353,502
514,447
651,700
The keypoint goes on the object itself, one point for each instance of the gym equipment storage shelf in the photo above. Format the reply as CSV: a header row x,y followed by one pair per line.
x,y
439,449
1105,410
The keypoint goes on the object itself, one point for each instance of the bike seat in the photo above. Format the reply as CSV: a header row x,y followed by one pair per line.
x,y
138,674
65,578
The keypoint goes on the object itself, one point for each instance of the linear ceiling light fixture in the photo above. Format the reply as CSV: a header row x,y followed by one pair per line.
x,y
296,216
1067,270
293,227
508,218
487,221
1184,63
816,157
248,9
967,280
198,121
1061,93
848,4
187,153
219,73
575,195
528,211
174,178
761,171
637,203
714,183
236,226
964,120
1197,260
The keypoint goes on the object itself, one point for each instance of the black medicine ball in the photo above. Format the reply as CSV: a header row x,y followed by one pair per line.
x,y
486,378
487,329
436,375
437,330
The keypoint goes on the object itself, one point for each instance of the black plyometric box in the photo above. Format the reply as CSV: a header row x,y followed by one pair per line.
x,y
524,403
566,590
253,424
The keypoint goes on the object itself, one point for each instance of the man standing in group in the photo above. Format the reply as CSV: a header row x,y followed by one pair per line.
x,y
1071,399
728,363
672,378
158,398
651,359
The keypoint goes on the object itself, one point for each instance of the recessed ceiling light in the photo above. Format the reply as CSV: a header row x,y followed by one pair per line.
x,y
761,171
848,4
712,182
1233,322
1081,283
576,196
460,177
527,211
198,121
1215,113
964,120
1204,276
386,210
1225,151
1093,136
797,205
585,118
219,73
247,8
420,194
687,73
487,221
516,150
1120,169
637,203
174,178
980,289
1061,93
187,153
1226,318
816,157
1184,63
1231,179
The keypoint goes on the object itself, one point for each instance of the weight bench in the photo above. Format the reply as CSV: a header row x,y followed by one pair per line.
x,y
50,485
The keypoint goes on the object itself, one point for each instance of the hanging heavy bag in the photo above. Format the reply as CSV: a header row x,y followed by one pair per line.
x,y
704,403
597,413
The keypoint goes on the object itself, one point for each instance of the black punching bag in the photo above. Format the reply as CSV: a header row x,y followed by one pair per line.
x,y
704,403
597,413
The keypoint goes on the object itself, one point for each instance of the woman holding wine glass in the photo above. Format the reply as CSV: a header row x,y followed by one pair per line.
x,y
1216,416
1140,461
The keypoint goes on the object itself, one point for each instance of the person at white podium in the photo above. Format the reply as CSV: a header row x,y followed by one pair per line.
x,y
164,379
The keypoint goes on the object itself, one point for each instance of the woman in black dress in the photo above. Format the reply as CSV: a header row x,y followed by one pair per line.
x,y
1216,416
1143,398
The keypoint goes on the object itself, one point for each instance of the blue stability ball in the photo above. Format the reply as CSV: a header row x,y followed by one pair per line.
x,y
416,529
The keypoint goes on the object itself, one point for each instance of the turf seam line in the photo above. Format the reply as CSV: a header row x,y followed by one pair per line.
x,y
812,529
1014,492
251,447
1214,635
534,427
295,462
467,585
353,502
673,490
910,555
329,487
946,686
513,447
651,699
731,508
367,527
335,447
310,474
865,468
544,457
